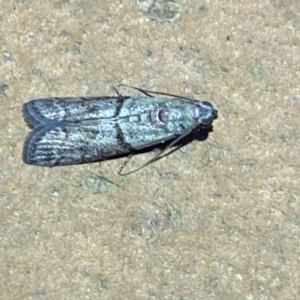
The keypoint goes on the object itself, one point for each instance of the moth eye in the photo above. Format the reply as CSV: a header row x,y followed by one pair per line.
x,y
206,121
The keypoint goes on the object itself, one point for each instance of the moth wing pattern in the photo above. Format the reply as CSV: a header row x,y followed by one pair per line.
x,y
65,144
76,109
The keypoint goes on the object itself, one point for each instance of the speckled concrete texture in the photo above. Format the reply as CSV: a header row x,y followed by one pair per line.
x,y
219,219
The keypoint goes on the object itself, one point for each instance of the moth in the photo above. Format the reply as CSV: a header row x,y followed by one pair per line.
x,y
76,130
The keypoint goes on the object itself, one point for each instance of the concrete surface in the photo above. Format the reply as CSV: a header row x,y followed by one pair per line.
x,y
218,220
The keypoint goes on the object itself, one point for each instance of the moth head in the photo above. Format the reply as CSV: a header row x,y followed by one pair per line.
x,y
205,113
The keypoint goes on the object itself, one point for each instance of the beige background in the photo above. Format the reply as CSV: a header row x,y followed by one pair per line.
x,y
219,220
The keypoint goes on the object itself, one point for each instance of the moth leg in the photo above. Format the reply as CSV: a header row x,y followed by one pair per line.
x,y
158,156
148,93
127,159
138,89
117,91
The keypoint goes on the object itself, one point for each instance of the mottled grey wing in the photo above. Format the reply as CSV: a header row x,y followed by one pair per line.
x,y
74,109
67,144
